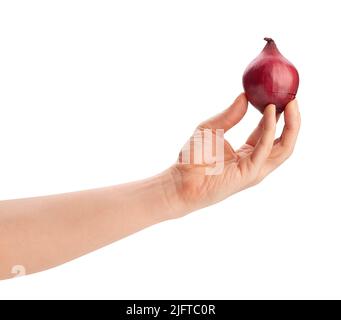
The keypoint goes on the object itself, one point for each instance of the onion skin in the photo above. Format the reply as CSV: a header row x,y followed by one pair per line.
x,y
270,79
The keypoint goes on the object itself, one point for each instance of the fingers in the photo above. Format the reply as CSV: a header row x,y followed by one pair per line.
x,y
255,135
292,125
286,143
228,118
264,145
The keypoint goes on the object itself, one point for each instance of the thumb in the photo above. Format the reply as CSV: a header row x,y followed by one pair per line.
x,y
229,117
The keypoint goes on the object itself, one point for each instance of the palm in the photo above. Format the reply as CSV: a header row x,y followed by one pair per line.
x,y
211,188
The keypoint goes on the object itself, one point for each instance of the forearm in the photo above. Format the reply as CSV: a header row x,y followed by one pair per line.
x,y
39,233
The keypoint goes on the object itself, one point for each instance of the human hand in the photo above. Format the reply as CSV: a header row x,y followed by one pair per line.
x,y
209,170
90,219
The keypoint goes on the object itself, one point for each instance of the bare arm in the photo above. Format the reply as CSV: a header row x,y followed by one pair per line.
x,y
43,232
39,233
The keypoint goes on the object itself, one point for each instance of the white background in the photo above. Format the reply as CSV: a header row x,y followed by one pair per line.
x,y
95,93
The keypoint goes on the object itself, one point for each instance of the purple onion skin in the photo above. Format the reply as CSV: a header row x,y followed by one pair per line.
x,y
270,78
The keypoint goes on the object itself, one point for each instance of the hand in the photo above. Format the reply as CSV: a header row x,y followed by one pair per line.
x,y
79,222
203,178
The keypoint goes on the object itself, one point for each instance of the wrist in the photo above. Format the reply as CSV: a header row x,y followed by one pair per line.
x,y
171,182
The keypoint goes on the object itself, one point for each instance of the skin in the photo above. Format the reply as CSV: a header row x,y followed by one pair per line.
x,y
40,233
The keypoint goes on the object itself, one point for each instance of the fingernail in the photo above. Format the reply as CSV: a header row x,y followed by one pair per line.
x,y
271,107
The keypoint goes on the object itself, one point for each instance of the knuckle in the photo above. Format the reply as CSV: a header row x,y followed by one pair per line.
x,y
256,180
278,161
201,126
289,151
259,179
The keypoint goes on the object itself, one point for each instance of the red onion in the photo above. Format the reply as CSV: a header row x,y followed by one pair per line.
x,y
270,78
